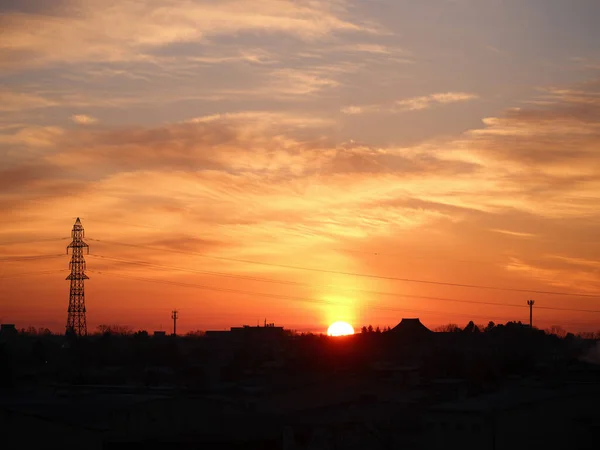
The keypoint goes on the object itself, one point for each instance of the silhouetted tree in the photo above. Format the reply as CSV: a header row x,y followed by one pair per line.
x,y
450,328
118,330
586,335
471,328
363,329
32,331
370,329
556,330
377,330
196,333
490,326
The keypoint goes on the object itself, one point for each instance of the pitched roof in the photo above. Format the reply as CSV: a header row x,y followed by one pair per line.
x,y
411,327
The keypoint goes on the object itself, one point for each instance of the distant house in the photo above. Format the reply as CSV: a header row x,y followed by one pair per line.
x,y
267,343
411,328
248,333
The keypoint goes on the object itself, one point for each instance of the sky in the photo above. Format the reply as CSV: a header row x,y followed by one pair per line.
x,y
301,162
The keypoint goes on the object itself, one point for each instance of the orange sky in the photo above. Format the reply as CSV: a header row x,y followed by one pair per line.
x,y
214,151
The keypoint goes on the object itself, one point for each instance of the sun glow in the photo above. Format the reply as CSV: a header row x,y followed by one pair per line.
x,y
340,329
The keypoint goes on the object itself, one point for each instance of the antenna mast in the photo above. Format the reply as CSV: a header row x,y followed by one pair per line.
x,y
76,322
530,303
175,316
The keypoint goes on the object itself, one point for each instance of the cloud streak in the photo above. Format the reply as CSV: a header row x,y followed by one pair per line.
x,y
11,101
429,101
121,31
83,119
519,234
413,104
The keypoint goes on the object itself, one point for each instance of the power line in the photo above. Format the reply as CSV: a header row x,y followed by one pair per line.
x,y
264,294
40,272
296,283
356,274
293,298
34,241
30,257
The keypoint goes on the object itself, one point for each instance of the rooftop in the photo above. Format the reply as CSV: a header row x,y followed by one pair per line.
x,y
412,327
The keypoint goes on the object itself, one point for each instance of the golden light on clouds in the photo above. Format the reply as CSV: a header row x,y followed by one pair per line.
x,y
428,101
300,160
83,119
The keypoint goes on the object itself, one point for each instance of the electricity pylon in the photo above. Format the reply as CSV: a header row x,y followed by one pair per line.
x,y
76,322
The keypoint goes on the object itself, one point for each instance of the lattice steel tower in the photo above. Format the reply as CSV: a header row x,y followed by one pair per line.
x,y
76,323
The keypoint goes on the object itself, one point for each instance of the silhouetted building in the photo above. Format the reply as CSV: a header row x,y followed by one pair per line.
x,y
411,328
160,333
248,333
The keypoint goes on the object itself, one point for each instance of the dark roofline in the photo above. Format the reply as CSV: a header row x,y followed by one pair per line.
x,y
411,325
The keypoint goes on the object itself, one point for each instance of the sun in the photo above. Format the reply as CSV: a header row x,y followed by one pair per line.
x,y
340,329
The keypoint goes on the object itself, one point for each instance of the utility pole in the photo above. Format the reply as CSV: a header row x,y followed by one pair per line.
x,y
174,316
530,303
76,321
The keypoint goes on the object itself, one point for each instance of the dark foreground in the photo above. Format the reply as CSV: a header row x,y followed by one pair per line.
x,y
509,387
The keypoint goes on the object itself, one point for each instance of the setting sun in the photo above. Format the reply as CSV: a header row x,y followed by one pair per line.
x,y
340,329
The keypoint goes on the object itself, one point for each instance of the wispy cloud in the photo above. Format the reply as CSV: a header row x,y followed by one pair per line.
x,y
594,264
429,101
119,31
297,145
83,119
266,119
353,110
565,276
555,141
300,82
11,101
513,233
413,103
258,181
